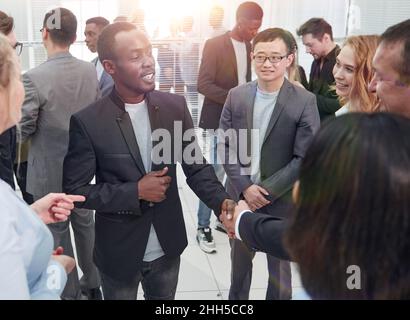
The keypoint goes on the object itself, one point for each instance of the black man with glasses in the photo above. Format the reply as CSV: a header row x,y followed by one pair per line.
x,y
284,118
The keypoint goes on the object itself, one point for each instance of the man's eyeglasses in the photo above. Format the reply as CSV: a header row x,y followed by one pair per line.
x,y
18,47
260,58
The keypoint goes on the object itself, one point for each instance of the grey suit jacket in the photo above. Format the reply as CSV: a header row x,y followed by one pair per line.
x,y
56,89
294,121
106,82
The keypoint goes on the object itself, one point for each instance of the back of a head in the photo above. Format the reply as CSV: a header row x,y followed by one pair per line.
x,y
400,33
106,40
101,22
353,208
6,23
250,11
317,27
61,24
364,48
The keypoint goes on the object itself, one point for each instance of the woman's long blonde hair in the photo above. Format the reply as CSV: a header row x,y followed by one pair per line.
x,y
360,98
8,72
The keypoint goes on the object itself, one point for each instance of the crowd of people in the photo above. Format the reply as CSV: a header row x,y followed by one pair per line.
x,y
315,172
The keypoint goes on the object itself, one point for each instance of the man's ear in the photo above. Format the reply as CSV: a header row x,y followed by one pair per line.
x,y
44,34
109,66
326,38
290,59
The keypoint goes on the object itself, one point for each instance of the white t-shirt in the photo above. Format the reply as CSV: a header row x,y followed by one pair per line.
x,y
241,60
142,129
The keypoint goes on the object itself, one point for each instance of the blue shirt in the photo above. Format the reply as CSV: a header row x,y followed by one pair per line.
x,y
26,244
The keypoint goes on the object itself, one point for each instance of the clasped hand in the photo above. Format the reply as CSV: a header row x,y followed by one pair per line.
x,y
154,185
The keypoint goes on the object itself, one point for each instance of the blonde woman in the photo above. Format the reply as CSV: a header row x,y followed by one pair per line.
x,y
28,269
353,73
295,73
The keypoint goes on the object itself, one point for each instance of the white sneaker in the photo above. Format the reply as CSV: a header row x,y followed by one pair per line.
x,y
205,240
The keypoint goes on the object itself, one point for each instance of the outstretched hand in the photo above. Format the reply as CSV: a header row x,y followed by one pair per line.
x,y
227,212
230,223
55,207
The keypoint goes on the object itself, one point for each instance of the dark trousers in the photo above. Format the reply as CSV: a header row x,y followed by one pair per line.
x,y
82,222
159,280
20,170
280,278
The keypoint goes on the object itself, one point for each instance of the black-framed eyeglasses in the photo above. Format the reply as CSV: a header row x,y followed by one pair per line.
x,y
19,48
260,58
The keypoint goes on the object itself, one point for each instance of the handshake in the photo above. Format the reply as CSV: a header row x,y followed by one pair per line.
x,y
254,199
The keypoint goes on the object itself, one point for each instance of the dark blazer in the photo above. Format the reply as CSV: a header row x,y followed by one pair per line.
x,y
293,123
264,233
103,143
7,155
218,74
320,82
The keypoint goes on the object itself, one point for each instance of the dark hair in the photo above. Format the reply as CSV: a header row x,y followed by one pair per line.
x,y
250,11
400,33
317,27
271,34
99,21
106,40
6,23
63,26
353,208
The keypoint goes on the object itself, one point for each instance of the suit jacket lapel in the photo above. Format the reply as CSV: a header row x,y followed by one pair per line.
x,y
230,52
280,104
249,101
248,60
125,124
154,118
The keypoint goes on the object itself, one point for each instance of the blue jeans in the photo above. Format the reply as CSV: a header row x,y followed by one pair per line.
x,y
204,213
159,279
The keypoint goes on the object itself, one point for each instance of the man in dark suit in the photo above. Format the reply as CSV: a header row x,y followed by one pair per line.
x,y
317,36
280,120
225,64
93,29
139,231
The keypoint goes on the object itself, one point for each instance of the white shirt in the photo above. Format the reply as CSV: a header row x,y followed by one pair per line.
x,y
343,110
241,60
100,69
26,268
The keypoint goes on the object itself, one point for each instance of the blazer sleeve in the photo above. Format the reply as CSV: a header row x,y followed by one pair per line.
x,y
282,181
79,169
200,175
328,103
264,233
30,109
228,153
207,75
